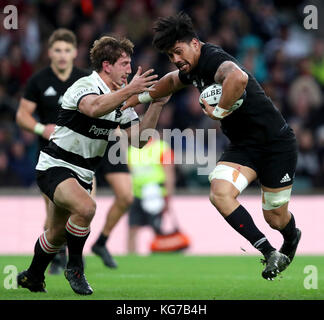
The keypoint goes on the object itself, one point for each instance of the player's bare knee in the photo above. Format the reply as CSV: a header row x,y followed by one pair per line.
x,y
276,218
219,197
86,210
125,200
275,207
56,235
90,210
274,221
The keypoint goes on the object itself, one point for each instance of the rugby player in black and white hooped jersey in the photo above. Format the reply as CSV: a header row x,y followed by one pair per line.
x,y
66,166
262,145
41,99
43,95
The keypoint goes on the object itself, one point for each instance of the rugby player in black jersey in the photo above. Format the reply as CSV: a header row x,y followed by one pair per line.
x,y
262,145
42,97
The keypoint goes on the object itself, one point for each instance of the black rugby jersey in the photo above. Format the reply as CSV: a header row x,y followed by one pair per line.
x,y
257,123
47,90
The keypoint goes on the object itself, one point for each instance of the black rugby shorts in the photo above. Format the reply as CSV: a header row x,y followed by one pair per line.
x,y
49,179
106,167
139,217
274,169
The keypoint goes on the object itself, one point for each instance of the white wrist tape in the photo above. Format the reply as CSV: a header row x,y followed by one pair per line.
x,y
144,97
39,128
220,112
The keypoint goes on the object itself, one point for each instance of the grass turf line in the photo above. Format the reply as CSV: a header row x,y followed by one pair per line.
x,y
178,277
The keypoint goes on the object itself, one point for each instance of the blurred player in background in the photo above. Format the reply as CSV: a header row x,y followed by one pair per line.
x,y
262,144
66,167
118,177
43,95
153,180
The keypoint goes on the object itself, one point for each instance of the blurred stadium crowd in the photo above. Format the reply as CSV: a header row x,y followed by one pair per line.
x,y
265,36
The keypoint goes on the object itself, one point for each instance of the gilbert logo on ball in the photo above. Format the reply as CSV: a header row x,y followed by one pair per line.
x,y
211,94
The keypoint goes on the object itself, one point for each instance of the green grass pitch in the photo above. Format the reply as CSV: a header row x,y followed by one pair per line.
x,y
179,277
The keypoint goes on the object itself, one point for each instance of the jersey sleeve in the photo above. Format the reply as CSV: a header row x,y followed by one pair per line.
x,y
77,91
128,117
32,91
211,61
184,78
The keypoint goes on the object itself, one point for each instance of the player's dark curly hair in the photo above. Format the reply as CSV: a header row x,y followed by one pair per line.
x,y
109,49
169,30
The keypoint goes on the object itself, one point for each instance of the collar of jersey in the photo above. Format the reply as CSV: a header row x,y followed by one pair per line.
x,y
101,84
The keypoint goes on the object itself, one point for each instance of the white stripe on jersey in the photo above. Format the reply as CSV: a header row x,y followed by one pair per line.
x,y
45,162
77,143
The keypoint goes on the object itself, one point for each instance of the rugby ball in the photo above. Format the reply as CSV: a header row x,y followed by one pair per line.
x,y
212,95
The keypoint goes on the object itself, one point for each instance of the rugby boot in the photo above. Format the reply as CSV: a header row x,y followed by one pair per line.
x,y
24,280
289,248
104,254
78,281
276,262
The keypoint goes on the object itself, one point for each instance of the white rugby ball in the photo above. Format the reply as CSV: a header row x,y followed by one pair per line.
x,y
212,95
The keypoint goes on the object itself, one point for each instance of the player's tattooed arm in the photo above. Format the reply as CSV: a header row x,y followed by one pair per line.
x,y
233,80
229,68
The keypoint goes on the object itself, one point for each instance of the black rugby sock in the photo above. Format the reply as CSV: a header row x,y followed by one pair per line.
x,y
243,223
289,232
44,253
102,239
76,237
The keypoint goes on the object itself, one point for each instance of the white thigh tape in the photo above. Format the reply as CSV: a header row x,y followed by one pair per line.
x,y
230,174
274,200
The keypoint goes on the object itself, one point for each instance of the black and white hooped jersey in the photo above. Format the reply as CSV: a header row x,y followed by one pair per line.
x,y
79,142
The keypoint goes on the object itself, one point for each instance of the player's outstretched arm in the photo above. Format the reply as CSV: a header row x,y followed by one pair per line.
x,y
149,121
167,85
233,80
96,106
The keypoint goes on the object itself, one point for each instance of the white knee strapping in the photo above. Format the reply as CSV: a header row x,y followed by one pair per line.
x,y
274,200
230,174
